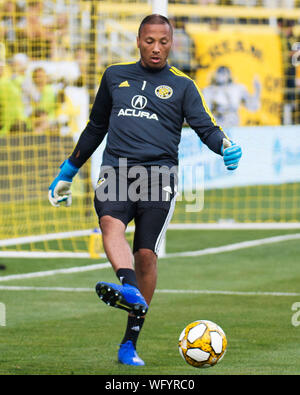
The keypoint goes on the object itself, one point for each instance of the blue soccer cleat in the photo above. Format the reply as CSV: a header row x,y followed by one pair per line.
x,y
128,356
126,297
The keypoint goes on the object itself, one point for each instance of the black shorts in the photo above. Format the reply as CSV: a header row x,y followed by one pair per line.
x,y
146,195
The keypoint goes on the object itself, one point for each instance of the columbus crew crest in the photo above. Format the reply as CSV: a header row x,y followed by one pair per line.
x,y
164,91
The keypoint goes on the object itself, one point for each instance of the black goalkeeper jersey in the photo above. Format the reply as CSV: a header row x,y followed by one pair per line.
x,y
142,111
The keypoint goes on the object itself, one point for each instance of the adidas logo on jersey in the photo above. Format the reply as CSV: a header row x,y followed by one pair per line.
x,y
124,84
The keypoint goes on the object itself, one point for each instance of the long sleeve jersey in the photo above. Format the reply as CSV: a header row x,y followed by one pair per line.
x,y
142,112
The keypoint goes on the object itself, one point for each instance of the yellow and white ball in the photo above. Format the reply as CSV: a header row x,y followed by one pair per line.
x,y
202,344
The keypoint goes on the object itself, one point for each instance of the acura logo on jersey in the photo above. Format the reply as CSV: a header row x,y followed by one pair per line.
x,y
139,102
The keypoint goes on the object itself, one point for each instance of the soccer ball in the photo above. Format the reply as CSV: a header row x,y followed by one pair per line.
x,y
202,344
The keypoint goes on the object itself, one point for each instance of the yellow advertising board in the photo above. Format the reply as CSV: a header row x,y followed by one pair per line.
x,y
249,60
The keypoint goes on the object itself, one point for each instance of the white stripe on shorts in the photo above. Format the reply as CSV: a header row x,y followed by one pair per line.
x,y
165,225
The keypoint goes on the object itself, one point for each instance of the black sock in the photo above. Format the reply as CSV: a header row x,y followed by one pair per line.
x,y
127,276
134,326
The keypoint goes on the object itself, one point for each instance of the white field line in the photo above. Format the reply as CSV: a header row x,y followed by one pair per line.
x,y
50,236
206,251
225,225
160,291
47,273
218,226
231,225
41,254
235,246
56,289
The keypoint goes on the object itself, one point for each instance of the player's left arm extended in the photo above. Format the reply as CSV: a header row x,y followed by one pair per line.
x,y
202,121
60,189
89,140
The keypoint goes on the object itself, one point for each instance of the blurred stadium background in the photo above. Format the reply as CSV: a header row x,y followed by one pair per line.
x,y
245,57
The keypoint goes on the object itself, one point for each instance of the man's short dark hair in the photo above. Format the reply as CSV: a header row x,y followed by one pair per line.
x,y
155,19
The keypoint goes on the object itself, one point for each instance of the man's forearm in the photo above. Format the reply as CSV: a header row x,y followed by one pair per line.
x,y
88,142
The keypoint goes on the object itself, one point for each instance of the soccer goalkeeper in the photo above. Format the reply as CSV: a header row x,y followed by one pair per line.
x,y
141,107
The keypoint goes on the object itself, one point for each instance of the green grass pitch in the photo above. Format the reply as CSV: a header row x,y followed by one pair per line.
x,y
63,333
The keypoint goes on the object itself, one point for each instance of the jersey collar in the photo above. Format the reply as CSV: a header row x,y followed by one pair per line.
x,y
150,70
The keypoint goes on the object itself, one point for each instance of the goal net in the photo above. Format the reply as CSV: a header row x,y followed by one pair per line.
x,y
244,56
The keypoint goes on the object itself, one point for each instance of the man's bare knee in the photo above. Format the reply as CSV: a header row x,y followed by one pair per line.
x,y
145,258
